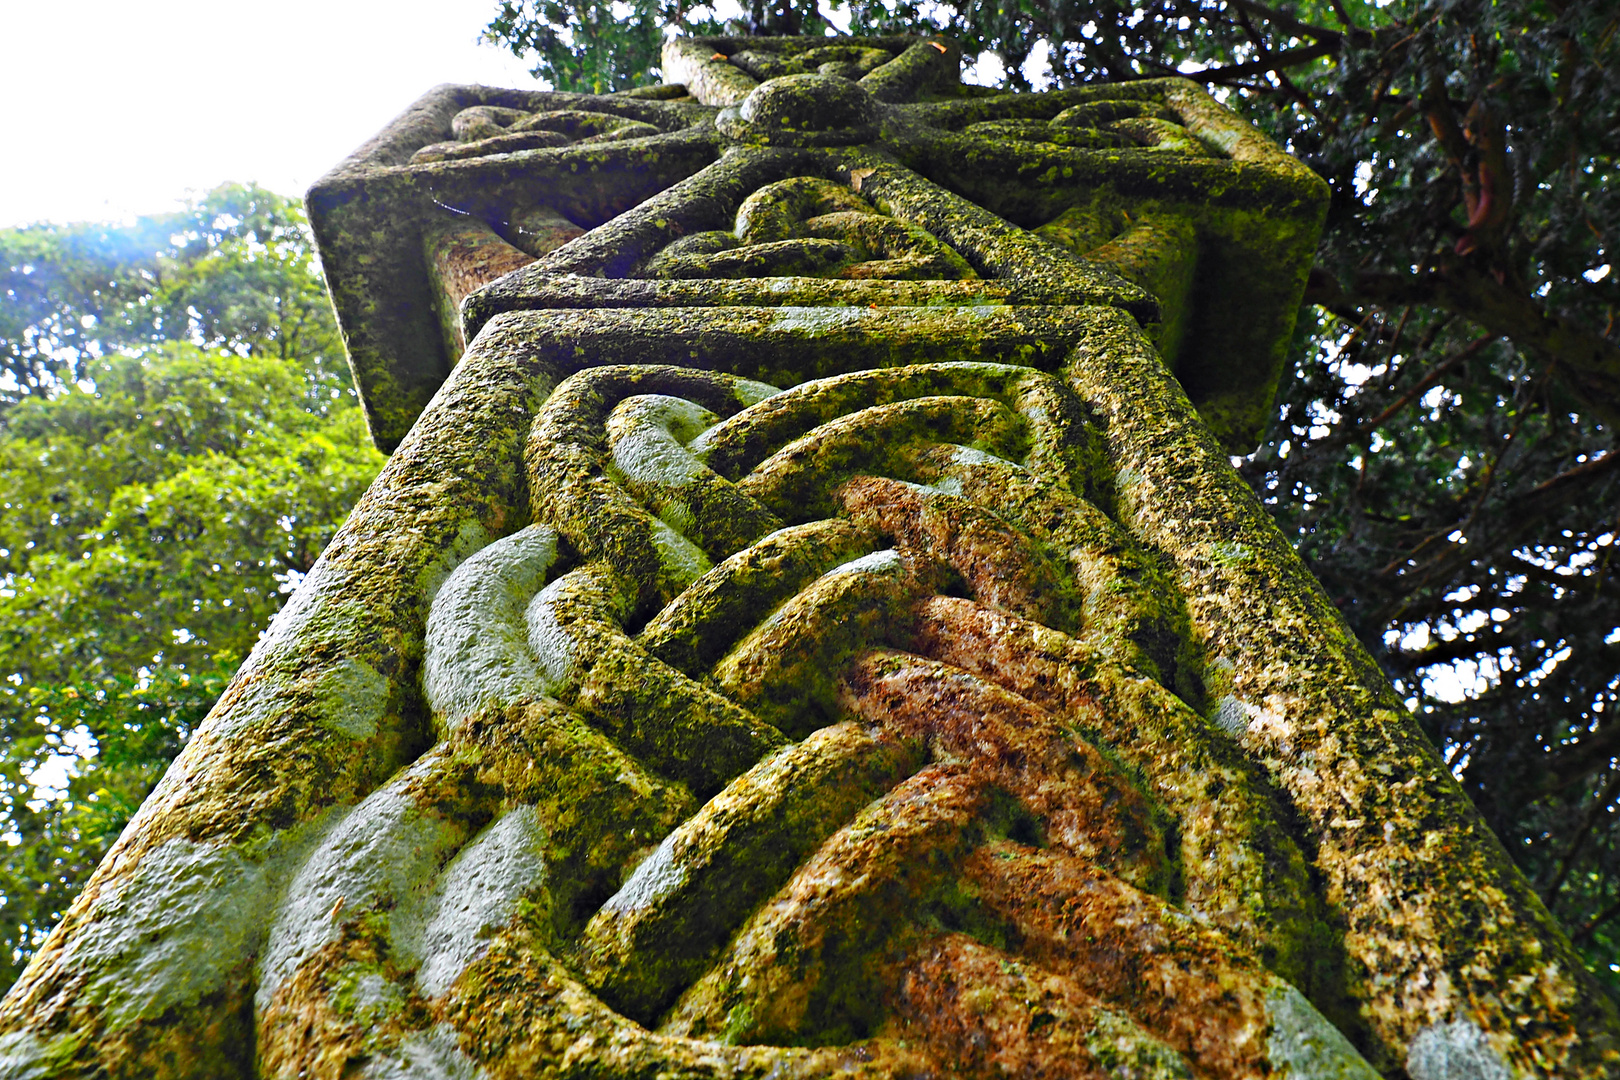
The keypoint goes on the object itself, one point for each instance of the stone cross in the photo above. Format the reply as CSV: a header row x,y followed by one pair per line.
x,y
809,626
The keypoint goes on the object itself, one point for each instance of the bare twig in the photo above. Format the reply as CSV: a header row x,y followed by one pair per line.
x,y
1584,934
1566,862
1286,21
1520,515
1272,62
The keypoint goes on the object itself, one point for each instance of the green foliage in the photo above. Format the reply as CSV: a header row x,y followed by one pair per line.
x,y
60,823
178,442
561,35
595,48
181,497
1444,456
234,270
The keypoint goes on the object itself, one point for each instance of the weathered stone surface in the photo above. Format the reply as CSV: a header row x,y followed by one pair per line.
x,y
813,630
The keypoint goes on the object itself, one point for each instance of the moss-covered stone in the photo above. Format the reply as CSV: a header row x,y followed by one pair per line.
x,y
813,631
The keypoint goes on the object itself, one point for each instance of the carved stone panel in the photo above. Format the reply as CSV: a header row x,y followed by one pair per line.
x,y
1135,191
809,626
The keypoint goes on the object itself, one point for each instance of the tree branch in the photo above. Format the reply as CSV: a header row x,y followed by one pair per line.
x,y
1585,933
1271,62
1594,584
1288,22
1520,516
1566,862
1587,363
1460,647
1432,376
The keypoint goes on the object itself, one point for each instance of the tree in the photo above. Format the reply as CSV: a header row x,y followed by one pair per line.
x,y
233,270
1443,455
178,441
183,496
96,749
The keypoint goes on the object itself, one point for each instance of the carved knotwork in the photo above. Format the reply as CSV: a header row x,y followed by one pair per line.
x,y
810,227
836,724
843,61
1153,148
487,129
1099,125
810,633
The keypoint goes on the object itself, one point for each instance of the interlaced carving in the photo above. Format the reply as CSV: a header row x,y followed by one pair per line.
x,y
724,70
1099,125
488,129
806,226
841,652
810,633
844,61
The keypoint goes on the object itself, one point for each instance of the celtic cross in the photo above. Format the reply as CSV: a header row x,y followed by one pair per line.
x,y
809,626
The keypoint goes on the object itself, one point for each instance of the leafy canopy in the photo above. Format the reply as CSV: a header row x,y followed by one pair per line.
x,y
178,441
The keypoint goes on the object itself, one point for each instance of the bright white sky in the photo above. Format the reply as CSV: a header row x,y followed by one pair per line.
x,y
115,108
111,108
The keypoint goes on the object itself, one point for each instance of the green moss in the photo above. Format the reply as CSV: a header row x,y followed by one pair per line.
x,y
663,928
703,623
1045,531
63,1053
365,993
1380,814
